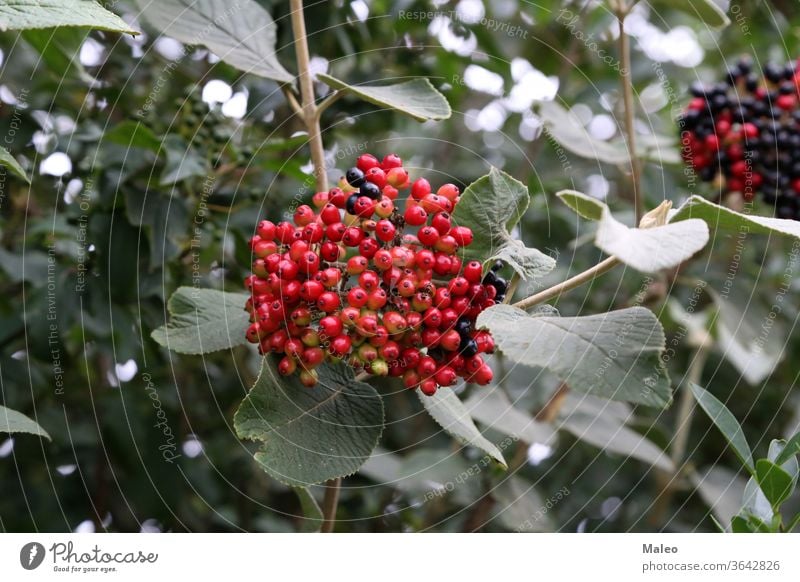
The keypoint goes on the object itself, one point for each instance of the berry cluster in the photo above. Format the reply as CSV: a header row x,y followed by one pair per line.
x,y
347,283
744,134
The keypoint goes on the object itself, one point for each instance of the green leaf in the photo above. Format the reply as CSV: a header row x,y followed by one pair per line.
x,y
651,249
311,435
451,414
645,249
60,50
790,449
182,161
26,14
313,517
491,206
565,128
583,205
7,160
204,321
579,350
710,12
726,423
790,465
775,483
417,97
720,218
240,33
755,503
12,421
133,134
493,409
740,525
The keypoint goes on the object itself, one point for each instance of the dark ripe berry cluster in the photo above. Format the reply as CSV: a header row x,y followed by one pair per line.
x,y
744,134
361,282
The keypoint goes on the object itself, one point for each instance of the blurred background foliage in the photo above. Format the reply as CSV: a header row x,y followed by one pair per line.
x,y
151,163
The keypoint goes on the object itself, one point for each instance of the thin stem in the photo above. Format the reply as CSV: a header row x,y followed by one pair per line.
x,y
327,102
309,109
292,99
686,408
576,281
630,110
329,504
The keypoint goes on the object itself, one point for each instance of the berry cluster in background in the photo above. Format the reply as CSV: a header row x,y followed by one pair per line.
x,y
744,134
359,281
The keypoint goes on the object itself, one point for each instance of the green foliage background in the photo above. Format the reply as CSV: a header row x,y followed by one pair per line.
x,y
157,219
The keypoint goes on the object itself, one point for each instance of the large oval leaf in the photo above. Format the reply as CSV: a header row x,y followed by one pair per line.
x,y
240,33
28,14
203,321
417,98
724,219
645,249
12,421
616,355
311,435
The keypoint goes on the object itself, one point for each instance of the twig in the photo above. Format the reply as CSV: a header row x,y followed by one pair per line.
x,y
630,109
327,102
576,281
292,99
686,408
330,503
309,109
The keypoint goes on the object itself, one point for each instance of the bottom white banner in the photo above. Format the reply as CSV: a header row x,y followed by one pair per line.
x,y
389,557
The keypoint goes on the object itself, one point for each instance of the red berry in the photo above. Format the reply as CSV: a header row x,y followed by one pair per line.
x,y
450,341
441,222
397,177
352,236
330,214
446,376
286,366
313,232
340,346
367,161
449,191
415,215
328,302
473,272
311,290
368,280
428,236
303,215
376,176
483,376
334,232
337,197
391,161
382,260
420,188
428,387
385,230
266,230
368,247
357,265
331,326
377,299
